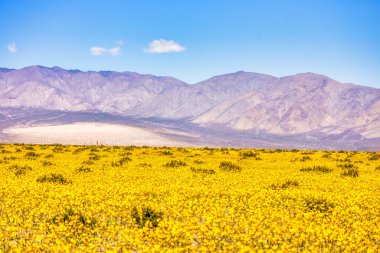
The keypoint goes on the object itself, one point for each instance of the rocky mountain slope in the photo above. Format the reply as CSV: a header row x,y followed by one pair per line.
x,y
298,104
242,102
73,90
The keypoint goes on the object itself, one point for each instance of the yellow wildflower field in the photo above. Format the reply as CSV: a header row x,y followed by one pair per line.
x,y
143,199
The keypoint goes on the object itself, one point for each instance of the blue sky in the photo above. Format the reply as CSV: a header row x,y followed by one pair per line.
x,y
195,39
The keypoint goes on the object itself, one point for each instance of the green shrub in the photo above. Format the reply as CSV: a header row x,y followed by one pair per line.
x,y
12,158
79,150
229,167
351,172
346,166
94,149
225,151
247,154
326,155
121,162
145,165
199,161
319,205
88,162
32,155
374,156
83,169
287,184
166,152
93,157
70,216
203,171
58,149
54,178
46,163
305,158
175,164
322,169
146,215
20,170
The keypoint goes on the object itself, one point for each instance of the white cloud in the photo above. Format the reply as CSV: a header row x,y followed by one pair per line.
x,y
115,51
96,51
12,47
164,46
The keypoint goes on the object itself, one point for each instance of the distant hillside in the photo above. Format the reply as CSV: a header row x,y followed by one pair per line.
x,y
243,102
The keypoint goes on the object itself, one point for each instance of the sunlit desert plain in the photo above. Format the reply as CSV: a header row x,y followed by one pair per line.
x,y
88,133
157,199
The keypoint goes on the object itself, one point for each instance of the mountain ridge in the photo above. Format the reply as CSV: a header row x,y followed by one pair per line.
x,y
241,101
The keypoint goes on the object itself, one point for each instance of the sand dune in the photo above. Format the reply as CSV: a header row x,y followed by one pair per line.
x,y
88,134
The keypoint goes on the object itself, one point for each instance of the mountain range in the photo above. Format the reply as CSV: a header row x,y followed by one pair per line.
x,y
302,106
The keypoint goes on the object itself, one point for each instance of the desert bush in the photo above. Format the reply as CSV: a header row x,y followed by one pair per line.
x,y
83,169
79,150
319,205
58,149
229,167
32,155
69,216
19,170
247,154
94,149
166,152
88,162
305,158
346,166
285,185
146,215
46,163
121,162
203,171
351,172
93,157
53,178
10,158
374,156
198,161
326,155
225,151
175,164
131,148
145,165
125,154
317,168
345,160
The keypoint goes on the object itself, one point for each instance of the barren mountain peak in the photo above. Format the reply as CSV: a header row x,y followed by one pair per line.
x,y
240,102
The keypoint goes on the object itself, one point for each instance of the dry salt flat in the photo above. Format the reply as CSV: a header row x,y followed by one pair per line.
x,y
88,133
